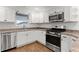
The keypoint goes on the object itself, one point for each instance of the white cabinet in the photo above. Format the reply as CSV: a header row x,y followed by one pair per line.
x,y
2,13
67,13
22,38
75,45
69,43
41,37
66,42
10,14
7,14
74,13
71,13
45,17
13,40
25,37
31,36
0,41
39,17
38,35
8,40
55,9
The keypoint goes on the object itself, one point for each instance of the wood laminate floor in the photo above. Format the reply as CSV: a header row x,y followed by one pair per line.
x,y
33,47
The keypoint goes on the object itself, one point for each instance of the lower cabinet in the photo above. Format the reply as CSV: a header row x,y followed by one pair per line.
x,y
41,37
7,40
27,37
10,40
65,43
38,35
0,41
75,45
21,38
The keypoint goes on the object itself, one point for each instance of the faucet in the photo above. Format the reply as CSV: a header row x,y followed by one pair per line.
x,y
23,24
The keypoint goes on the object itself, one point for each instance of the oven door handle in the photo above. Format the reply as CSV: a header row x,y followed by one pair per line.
x,y
53,35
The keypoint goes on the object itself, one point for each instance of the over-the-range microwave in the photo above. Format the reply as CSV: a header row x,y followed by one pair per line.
x,y
59,17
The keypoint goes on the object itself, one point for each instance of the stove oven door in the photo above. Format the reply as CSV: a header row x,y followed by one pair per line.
x,y
53,40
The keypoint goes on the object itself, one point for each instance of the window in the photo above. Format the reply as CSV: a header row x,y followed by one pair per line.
x,y
21,19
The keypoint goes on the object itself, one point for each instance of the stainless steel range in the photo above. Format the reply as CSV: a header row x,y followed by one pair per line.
x,y
53,39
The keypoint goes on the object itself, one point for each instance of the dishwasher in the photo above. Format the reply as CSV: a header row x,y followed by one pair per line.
x,y
8,40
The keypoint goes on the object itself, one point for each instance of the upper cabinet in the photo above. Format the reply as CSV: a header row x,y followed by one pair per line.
x,y
36,14
39,14
71,13
74,12
10,14
2,13
7,14
39,17
52,10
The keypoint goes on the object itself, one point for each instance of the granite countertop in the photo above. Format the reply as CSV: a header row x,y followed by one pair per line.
x,y
75,45
22,29
74,33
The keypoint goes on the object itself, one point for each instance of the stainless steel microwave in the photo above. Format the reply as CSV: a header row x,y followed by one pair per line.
x,y
56,17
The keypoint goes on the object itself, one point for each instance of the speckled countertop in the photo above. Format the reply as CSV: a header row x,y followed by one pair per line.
x,y
74,33
22,29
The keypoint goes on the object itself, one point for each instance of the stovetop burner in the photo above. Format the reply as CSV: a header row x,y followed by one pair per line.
x,y
56,30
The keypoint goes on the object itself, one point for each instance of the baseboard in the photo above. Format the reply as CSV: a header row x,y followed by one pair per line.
x,y
8,49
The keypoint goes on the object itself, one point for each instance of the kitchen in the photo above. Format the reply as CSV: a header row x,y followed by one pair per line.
x,y
54,27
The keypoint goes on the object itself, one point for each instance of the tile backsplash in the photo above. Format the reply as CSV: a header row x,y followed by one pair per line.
x,y
68,25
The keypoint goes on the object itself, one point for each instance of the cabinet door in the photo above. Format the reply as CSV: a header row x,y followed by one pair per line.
x,y
9,14
71,13
46,17
32,36
74,13
0,41
37,35
2,13
36,17
22,38
67,13
65,43
39,17
13,40
75,45
41,37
